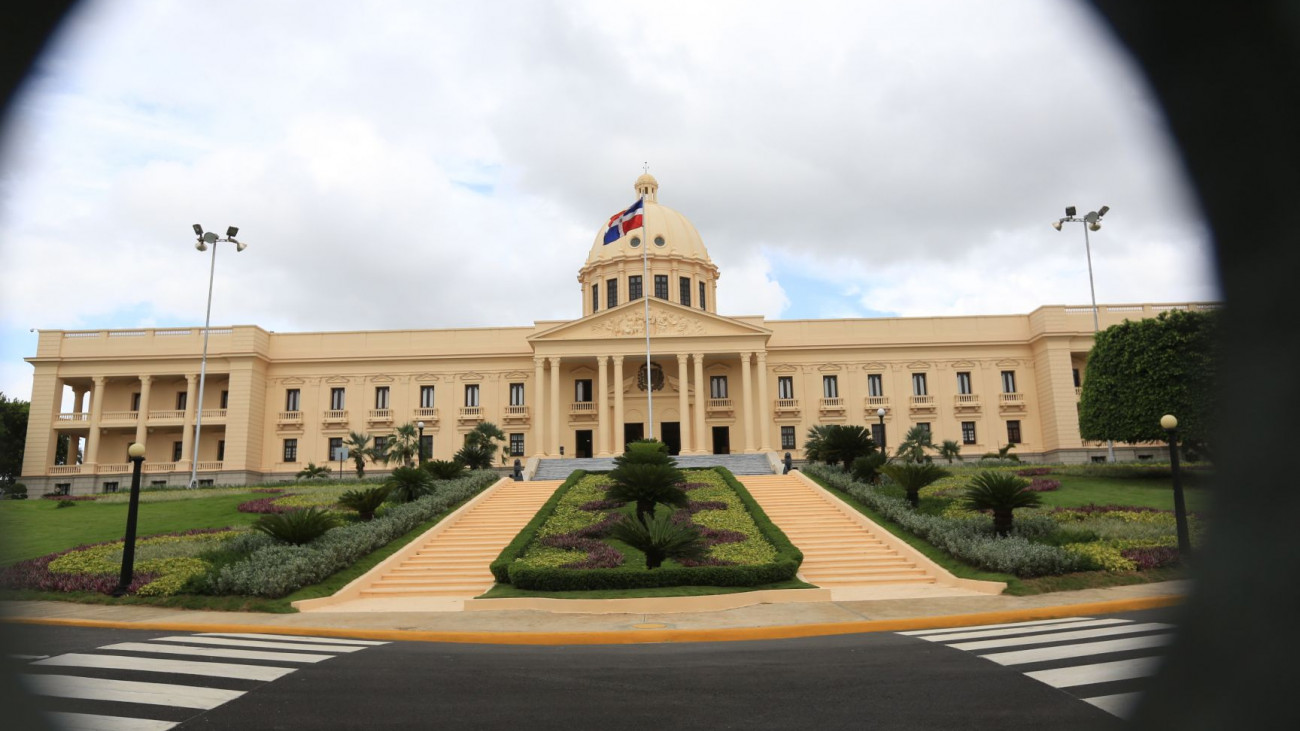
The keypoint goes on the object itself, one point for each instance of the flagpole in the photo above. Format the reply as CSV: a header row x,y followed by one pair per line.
x,y
645,292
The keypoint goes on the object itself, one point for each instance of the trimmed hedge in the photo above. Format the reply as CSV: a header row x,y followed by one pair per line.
x,y
782,568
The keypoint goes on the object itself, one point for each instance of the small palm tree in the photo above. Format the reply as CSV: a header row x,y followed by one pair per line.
x,y
409,483
660,538
648,485
314,471
442,469
912,476
814,444
404,445
1002,453
1001,492
358,444
365,502
950,450
297,526
914,444
846,442
867,469
480,448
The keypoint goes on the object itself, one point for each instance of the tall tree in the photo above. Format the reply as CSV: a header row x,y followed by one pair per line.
x,y
404,445
1139,371
13,437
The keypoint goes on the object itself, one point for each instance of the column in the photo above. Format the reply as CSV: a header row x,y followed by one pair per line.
x,y
554,447
683,402
539,407
747,407
77,395
96,413
602,406
618,404
142,417
764,411
701,398
189,451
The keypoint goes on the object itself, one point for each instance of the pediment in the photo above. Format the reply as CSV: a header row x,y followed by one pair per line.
x,y
667,319
962,364
426,378
1007,363
338,379
787,368
381,379
292,381
828,367
918,365
471,376
518,375
874,366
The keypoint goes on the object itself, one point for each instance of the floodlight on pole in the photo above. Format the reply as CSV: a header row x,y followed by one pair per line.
x,y
204,239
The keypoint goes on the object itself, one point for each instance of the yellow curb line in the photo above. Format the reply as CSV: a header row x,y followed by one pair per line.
x,y
625,637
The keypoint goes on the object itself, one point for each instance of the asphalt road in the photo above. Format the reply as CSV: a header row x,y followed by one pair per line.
x,y
876,681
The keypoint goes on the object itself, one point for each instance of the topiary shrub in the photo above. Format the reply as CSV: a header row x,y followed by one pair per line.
x,y
297,527
1001,492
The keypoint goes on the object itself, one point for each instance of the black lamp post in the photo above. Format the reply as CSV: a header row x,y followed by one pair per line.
x,y
136,453
1170,425
420,426
880,412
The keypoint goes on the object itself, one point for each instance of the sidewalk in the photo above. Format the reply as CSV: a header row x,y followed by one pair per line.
x,y
764,621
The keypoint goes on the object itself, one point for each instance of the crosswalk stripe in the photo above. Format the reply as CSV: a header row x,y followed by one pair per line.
x,y
259,643
90,722
1120,704
1043,654
158,665
129,691
291,638
1018,630
945,630
1104,672
217,652
1061,636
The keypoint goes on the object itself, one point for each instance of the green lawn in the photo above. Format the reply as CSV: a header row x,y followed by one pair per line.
x,y
1151,493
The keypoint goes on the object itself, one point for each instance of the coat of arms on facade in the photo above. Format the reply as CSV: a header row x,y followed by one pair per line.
x,y
661,323
656,377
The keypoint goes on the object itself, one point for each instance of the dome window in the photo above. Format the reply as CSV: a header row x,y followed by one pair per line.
x,y
636,241
659,241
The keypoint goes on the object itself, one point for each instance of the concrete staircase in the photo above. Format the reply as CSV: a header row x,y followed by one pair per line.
x,y
739,464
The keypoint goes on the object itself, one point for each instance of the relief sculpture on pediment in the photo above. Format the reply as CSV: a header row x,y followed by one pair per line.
x,y
661,323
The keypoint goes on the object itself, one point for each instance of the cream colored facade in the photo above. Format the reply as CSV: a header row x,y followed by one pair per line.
x,y
274,401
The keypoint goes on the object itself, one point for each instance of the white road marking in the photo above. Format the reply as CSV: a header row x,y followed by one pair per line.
x,y
90,722
1042,654
258,643
129,691
1086,634
1104,672
920,632
28,657
290,638
1120,704
158,665
217,652
1023,630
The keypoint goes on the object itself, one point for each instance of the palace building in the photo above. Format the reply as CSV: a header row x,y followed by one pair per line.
x,y
273,402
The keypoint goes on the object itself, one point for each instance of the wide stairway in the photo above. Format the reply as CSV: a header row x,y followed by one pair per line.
x,y
839,553
739,464
454,562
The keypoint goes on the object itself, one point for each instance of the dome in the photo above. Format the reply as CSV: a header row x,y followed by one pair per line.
x,y
669,233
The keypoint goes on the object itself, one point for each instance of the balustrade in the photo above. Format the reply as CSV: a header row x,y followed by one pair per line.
x,y
208,466
159,466
380,415
335,415
423,414
73,416
1011,401
167,415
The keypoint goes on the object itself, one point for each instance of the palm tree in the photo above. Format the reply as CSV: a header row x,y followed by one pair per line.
x,y
1001,492
844,443
814,445
314,471
365,502
950,450
480,446
358,444
648,485
914,444
912,476
659,538
404,445
1002,453
409,483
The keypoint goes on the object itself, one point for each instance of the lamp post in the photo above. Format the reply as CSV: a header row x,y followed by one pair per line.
x,y
207,239
420,425
1091,222
880,412
1170,425
136,453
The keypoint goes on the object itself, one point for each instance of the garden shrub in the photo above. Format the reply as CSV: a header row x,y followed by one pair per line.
x,y
296,526
442,469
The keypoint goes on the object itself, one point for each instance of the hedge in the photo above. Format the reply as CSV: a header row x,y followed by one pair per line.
x,y
513,550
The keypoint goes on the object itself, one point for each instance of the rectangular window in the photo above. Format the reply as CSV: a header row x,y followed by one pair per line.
x,y
225,400
152,483
205,483
516,445
684,285
923,426
634,287
177,449
702,307
595,297
291,398
875,385
787,437
582,390
717,386
516,394
381,397
181,399
428,446
661,286
135,401
1008,381
611,294
830,387
110,487
336,449
381,445
63,488
918,385
337,400
968,432
1013,432
963,383
426,397
471,395
291,450
1077,384
785,387
221,450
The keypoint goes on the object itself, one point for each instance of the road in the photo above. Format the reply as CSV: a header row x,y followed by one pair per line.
x,y
1079,673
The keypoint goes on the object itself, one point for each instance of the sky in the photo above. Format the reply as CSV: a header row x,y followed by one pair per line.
x,y
409,164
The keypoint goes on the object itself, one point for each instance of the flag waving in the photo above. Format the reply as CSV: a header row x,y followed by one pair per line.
x,y
624,221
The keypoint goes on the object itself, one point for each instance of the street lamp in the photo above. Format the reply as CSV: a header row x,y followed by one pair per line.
x,y
880,412
207,239
1091,222
136,453
420,425
1170,425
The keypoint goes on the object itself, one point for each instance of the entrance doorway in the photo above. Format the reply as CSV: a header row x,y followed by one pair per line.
x,y
633,432
672,436
582,447
721,440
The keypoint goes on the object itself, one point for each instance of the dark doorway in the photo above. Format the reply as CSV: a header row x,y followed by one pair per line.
x,y
721,440
672,436
582,448
633,432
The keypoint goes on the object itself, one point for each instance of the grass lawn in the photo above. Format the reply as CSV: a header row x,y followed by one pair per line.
x,y
1077,491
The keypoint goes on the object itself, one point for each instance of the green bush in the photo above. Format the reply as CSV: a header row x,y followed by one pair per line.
x,y
296,527
867,469
658,537
441,469
365,502
407,484
912,476
1001,492
648,485
16,491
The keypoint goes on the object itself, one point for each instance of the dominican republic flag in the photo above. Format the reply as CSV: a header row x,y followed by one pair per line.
x,y
624,221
